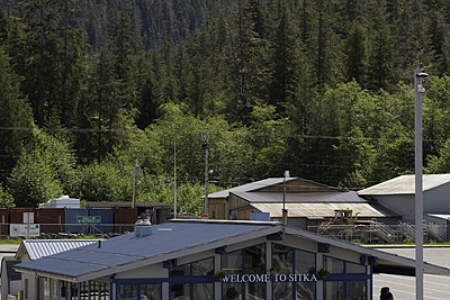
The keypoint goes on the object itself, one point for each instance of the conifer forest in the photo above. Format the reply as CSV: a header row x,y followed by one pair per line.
x,y
322,88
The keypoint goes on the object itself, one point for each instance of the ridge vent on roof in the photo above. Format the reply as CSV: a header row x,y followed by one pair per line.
x,y
216,221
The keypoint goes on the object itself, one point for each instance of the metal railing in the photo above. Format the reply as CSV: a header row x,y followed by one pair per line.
x,y
383,234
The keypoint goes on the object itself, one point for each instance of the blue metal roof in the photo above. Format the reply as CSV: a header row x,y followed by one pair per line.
x,y
165,238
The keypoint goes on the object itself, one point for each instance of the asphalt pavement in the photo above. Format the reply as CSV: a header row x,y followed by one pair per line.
x,y
404,287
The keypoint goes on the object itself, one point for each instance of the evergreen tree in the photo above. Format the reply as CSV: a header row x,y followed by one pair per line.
x,y
285,64
380,66
16,121
355,60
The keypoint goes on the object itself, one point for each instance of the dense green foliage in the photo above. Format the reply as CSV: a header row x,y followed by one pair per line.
x,y
322,88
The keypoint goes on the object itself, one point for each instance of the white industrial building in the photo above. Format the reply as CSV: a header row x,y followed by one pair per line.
x,y
398,194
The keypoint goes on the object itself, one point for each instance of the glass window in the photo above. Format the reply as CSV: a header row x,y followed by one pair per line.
x,y
334,290
356,290
26,288
232,291
282,258
74,291
354,268
304,261
180,291
126,292
150,291
333,265
182,270
84,290
255,291
203,268
232,262
305,291
255,259
282,290
203,291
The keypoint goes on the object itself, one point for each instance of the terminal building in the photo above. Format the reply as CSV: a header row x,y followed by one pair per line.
x,y
214,259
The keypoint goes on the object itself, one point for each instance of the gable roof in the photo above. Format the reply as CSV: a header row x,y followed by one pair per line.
x,y
128,251
262,184
40,248
405,185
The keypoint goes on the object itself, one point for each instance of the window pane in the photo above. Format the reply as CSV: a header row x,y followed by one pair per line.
x,y
182,270
232,291
354,268
203,267
282,291
305,291
126,292
150,291
232,262
282,259
255,259
203,291
304,261
334,290
179,292
333,265
356,290
255,291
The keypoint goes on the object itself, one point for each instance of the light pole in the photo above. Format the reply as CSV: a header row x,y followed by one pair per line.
x,y
205,145
174,179
418,162
137,172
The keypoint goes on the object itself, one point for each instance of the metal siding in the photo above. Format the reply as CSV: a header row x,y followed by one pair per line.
x,y
40,248
124,219
71,215
437,200
16,214
107,221
52,217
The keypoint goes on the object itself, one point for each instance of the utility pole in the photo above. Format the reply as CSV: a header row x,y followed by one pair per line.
x,y
136,175
205,146
174,179
284,211
418,94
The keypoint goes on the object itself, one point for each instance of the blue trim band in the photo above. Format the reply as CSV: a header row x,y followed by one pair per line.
x,y
140,280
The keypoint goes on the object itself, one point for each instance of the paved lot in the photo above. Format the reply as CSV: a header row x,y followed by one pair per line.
x,y
404,287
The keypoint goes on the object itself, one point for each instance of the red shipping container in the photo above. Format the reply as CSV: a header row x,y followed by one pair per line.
x,y
51,220
124,219
4,221
16,215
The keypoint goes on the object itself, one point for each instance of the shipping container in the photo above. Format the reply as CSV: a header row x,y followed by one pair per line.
x,y
76,221
4,221
16,215
162,215
124,219
51,220
105,216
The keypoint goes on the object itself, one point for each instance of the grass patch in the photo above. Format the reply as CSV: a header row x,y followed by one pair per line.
x,y
11,242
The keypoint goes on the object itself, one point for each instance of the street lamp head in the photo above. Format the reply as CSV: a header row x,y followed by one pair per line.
x,y
422,75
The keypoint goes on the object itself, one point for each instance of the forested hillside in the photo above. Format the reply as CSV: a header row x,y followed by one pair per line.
x,y
321,88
